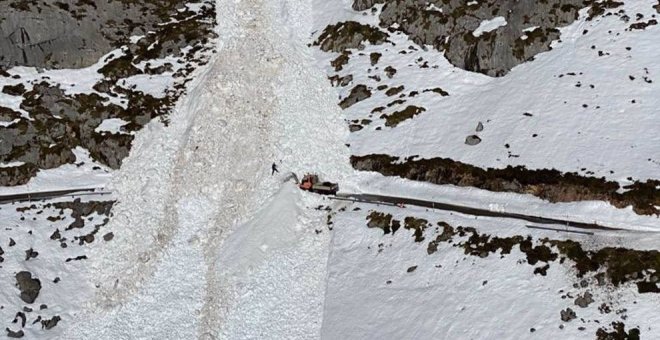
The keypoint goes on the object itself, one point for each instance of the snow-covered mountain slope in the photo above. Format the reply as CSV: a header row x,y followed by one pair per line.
x,y
199,240
436,284
64,128
586,109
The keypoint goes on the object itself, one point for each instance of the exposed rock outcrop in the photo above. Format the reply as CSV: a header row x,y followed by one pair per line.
x,y
530,27
60,122
28,286
349,34
72,33
472,140
358,94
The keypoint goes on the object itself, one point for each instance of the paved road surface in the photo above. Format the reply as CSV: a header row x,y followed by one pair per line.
x,y
33,196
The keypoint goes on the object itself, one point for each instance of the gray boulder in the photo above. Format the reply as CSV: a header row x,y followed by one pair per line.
x,y
28,286
472,140
567,315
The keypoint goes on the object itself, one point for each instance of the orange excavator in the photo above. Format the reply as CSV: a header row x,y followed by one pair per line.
x,y
310,182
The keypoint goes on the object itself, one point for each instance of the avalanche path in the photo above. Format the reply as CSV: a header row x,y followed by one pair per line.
x,y
208,244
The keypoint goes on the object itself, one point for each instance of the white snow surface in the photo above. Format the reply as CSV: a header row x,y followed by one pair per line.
x,y
489,25
614,136
112,125
372,295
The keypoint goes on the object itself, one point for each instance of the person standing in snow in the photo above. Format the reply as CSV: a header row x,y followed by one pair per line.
x,y
274,169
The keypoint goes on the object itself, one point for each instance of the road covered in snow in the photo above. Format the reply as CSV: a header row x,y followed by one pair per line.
x,y
210,245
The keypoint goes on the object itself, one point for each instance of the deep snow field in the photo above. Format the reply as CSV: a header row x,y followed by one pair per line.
x,y
192,237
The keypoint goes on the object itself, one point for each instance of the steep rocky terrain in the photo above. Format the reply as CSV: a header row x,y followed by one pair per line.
x,y
74,34
49,114
399,69
537,107
529,27
78,80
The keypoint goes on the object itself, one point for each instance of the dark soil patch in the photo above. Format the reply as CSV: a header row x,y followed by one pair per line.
x,y
394,91
14,90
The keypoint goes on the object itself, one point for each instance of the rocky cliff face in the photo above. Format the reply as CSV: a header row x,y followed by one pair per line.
x,y
49,34
73,34
449,25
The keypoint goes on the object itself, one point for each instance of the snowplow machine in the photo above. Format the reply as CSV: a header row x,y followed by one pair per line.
x,y
310,182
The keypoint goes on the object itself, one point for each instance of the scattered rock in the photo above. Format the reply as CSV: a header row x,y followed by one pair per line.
x,y
108,237
411,269
584,300
15,335
567,315
348,35
472,140
28,286
480,127
48,324
21,316
358,94
451,28
390,71
30,254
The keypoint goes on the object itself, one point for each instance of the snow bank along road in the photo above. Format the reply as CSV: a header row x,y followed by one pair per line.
x,y
377,199
209,245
